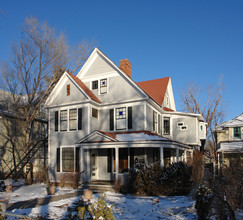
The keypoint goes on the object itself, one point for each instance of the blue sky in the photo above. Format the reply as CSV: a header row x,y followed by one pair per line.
x,y
190,41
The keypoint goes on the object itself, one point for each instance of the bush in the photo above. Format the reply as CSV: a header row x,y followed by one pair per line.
x,y
157,180
87,210
204,199
100,209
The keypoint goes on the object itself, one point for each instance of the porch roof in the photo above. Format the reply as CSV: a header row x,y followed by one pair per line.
x,y
233,146
132,136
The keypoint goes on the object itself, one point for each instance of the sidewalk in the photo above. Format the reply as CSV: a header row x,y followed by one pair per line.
x,y
41,201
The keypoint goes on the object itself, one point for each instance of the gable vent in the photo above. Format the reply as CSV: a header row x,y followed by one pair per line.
x,y
125,66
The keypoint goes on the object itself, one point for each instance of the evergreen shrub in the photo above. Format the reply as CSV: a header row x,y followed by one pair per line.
x,y
157,180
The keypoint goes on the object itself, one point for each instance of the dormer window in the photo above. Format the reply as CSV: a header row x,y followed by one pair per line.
x,y
103,86
68,90
94,84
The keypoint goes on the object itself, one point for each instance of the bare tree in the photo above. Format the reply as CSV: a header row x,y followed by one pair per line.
x,y
211,108
209,104
37,62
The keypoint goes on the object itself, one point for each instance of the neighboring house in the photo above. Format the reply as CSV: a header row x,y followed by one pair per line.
x,y
229,138
12,139
102,123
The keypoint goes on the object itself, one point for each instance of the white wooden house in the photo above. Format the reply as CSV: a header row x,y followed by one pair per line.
x,y
103,123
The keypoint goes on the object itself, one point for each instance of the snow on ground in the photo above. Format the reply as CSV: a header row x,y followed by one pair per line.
x,y
124,206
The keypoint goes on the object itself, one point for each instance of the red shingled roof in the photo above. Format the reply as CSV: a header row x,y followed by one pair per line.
x,y
167,109
156,88
85,88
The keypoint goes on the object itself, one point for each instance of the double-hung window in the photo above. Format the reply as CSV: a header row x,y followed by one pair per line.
x,y
121,118
73,119
63,120
166,128
68,159
237,132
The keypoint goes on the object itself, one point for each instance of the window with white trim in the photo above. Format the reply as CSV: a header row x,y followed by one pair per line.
x,y
121,118
166,126
94,84
103,86
68,159
237,132
63,120
73,119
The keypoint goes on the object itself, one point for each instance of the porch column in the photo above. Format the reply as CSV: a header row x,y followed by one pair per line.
x,y
218,161
177,155
117,162
81,163
162,156
185,156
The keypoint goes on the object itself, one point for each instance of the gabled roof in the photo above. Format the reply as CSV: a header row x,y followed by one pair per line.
x,y
235,122
84,87
122,136
156,88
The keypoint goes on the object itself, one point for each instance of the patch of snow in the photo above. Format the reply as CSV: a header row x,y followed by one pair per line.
x,y
138,137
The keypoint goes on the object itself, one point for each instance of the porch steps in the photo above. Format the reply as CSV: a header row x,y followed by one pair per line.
x,y
99,186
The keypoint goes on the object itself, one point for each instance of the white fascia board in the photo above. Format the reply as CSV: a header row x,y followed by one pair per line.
x,y
144,144
56,90
186,114
131,102
90,61
95,133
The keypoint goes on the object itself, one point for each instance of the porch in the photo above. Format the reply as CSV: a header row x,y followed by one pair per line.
x,y
113,163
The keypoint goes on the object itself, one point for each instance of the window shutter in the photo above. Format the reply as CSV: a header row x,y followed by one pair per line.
x,y
129,117
159,124
77,166
112,119
153,120
80,112
68,90
56,120
58,160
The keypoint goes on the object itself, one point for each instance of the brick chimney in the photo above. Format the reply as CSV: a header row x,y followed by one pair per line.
x,y
125,66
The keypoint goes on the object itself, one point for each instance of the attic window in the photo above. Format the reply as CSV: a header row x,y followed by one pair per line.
x,y
95,84
68,90
103,86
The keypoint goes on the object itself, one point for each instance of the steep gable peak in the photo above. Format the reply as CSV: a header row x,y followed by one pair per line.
x,y
84,87
156,88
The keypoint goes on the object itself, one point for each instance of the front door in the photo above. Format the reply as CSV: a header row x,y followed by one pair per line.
x,y
94,157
